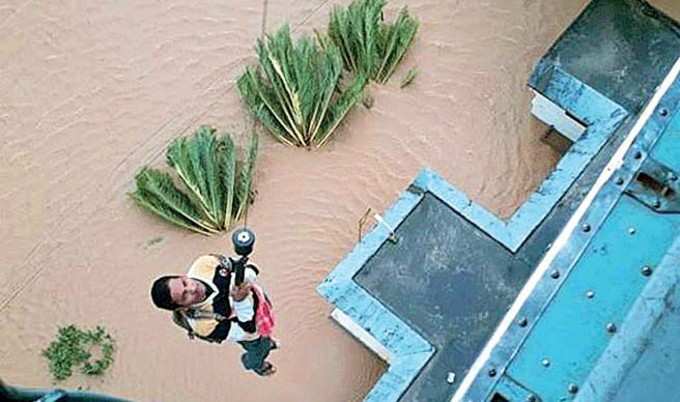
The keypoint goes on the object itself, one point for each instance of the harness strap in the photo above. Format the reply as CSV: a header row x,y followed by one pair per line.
x,y
181,318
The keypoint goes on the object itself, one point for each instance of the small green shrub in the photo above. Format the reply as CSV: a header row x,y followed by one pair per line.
x,y
219,188
75,348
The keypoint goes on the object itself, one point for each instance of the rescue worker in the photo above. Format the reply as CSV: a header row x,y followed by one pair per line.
x,y
208,304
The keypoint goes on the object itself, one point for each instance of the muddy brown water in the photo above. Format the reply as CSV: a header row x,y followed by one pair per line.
x,y
90,91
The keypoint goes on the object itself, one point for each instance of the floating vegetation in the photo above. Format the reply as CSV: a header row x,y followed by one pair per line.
x,y
408,78
367,101
296,92
75,348
218,188
368,45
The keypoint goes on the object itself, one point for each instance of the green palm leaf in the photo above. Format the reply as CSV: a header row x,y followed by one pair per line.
x,y
218,193
395,43
293,89
157,192
245,182
179,156
368,45
153,204
345,102
206,144
262,103
227,165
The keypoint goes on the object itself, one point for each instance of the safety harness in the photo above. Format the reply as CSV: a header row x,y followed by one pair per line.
x,y
181,316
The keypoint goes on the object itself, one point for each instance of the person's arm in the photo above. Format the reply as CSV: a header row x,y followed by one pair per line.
x,y
250,274
245,319
244,310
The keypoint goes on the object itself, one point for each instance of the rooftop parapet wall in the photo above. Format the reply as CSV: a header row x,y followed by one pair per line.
x,y
620,48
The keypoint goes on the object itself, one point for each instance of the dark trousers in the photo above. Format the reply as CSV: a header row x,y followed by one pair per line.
x,y
256,353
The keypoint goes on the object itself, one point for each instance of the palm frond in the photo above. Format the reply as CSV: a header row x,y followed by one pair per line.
x,y
337,112
368,45
152,204
206,145
227,164
157,193
293,89
261,102
179,157
244,187
206,164
393,45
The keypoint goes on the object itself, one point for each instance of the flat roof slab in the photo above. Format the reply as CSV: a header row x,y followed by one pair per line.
x,y
450,282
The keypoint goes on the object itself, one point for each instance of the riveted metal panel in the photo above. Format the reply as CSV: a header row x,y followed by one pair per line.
x,y
574,329
667,149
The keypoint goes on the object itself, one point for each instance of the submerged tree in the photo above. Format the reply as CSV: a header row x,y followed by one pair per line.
x,y
219,188
368,45
295,92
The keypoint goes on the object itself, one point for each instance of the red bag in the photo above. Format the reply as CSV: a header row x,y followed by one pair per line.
x,y
264,316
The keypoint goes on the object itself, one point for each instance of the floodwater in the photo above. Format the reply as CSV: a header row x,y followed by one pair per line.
x,y
91,91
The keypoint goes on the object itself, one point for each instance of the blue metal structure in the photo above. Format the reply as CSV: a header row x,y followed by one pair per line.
x,y
434,298
599,324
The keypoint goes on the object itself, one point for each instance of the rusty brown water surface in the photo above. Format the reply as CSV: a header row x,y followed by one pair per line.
x,y
90,91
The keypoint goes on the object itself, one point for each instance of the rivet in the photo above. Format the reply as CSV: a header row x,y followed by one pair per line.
x,y
590,294
545,363
631,230
646,270
611,328
492,372
656,204
573,388
619,181
555,274
523,322
663,111
586,227
637,155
